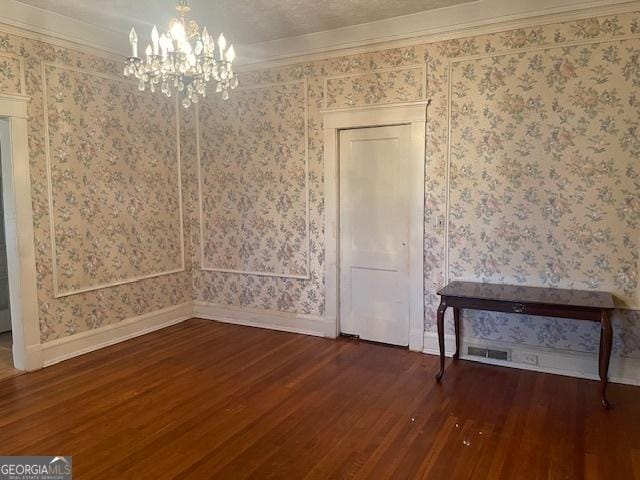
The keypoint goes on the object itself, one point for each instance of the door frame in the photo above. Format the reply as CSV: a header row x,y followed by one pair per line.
x,y
335,120
18,219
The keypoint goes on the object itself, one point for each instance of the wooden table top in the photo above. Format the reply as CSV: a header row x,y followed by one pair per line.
x,y
523,294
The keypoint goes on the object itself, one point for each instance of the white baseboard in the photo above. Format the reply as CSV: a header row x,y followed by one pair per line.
x,y
81,343
560,362
272,319
569,363
416,340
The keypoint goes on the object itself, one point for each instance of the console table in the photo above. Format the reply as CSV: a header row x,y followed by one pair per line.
x,y
548,302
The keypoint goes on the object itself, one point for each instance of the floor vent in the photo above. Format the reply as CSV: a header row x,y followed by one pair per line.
x,y
498,354
477,351
489,353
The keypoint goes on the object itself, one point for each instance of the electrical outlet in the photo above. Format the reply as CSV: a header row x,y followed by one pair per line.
x,y
528,358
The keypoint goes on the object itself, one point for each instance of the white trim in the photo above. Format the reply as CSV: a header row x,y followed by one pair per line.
x,y
204,267
81,343
14,105
476,17
56,291
60,30
421,66
334,120
550,360
18,218
537,48
461,21
504,53
271,319
386,114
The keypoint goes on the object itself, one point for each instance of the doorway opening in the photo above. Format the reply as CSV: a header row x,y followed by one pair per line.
x,y
407,120
6,337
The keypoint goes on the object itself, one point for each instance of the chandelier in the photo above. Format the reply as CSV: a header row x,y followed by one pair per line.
x,y
182,60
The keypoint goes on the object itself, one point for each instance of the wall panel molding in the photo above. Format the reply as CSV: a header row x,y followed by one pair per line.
x,y
57,293
450,90
210,268
418,66
22,90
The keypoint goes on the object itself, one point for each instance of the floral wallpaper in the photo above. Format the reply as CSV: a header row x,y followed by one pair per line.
x,y
74,198
521,193
403,84
590,223
253,174
544,183
10,76
116,217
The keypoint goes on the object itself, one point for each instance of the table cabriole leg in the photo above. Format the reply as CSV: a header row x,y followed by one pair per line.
x,y
456,325
440,321
606,340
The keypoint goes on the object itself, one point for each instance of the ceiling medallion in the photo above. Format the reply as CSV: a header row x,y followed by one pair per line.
x,y
183,60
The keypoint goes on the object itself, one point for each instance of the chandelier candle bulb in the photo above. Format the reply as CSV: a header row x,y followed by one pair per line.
x,y
133,40
163,45
154,40
231,54
222,43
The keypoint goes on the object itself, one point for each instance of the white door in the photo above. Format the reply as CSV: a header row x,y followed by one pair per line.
x,y
374,233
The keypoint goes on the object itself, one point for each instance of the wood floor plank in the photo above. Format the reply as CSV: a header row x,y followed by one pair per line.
x,y
210,400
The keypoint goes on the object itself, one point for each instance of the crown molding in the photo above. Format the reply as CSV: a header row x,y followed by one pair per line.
x,y
474,18
302,49
38,24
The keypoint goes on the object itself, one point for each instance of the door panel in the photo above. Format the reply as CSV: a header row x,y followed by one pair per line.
x,y
374,232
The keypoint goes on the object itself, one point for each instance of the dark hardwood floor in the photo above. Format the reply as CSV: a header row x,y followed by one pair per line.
x,y
209,400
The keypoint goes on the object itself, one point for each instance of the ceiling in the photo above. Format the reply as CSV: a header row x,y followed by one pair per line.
x,y
244,21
